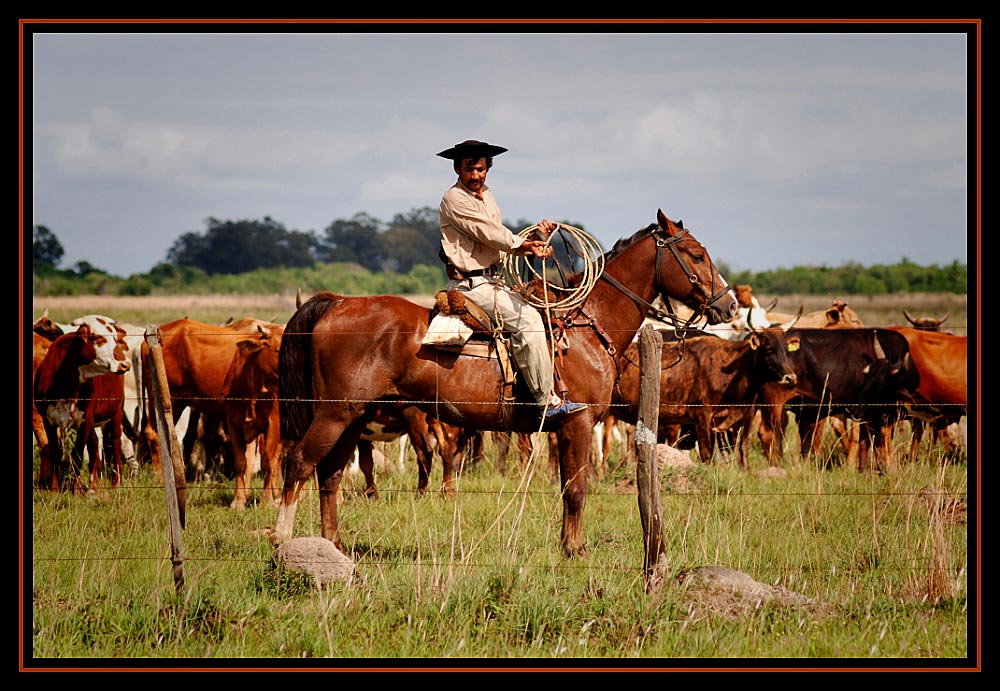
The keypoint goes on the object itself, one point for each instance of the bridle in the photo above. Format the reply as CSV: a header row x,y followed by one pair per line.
x,y
664,242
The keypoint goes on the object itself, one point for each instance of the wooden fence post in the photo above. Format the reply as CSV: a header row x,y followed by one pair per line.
x,y
647,464
174,480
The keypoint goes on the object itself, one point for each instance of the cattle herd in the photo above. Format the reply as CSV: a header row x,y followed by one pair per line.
x,y
719,388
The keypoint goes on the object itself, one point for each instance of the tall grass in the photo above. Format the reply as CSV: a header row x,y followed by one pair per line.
x,y
480,581
480,578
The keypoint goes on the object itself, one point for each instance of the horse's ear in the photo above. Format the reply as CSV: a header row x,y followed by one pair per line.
x,y
665,222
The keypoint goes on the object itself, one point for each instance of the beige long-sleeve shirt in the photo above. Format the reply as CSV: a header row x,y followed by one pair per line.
x,y
473,235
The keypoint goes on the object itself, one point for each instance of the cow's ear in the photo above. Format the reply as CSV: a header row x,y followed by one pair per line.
x,y
793,344
754,341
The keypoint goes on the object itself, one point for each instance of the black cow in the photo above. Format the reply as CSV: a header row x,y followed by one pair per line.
x,y
834,372
709,383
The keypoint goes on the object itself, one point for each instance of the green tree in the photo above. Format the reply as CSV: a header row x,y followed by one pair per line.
x,y
45,247
353,240
404,247
236,247
412,238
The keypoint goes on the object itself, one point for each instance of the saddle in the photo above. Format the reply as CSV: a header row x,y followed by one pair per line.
x,y
455,321
462,327
459,326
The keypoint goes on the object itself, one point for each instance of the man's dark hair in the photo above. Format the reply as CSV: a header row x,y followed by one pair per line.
x,y
460,161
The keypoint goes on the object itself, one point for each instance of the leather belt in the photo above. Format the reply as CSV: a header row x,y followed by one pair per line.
x,y
455,273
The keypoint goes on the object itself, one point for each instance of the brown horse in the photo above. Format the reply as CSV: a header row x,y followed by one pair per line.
x,y
342,355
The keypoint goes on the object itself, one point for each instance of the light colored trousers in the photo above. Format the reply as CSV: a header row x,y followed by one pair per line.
x,y
524,325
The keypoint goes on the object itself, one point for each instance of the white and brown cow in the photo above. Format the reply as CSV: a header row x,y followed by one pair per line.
x,y
79,385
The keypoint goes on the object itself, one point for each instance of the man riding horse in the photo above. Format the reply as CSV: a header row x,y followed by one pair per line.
x,y
473,242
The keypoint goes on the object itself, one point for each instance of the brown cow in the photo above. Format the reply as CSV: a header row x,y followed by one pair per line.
x,y
838,316
708,382
40,346
746,299
44,326
927,323
250,401
942,397
206,440
197,357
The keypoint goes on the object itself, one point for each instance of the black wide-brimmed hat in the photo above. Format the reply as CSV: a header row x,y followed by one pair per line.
x,y
471,148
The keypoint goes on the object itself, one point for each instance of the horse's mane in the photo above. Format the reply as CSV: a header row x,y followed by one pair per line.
x,y
624,243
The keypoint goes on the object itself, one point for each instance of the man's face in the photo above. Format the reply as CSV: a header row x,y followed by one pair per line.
x,y
472,173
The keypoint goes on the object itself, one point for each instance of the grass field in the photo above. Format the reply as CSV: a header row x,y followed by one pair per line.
x,y
885,564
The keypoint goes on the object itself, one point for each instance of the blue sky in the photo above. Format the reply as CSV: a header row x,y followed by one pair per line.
x,y
777,148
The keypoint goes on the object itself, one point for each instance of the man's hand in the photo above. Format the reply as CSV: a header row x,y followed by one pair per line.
x,y
546,226
537,248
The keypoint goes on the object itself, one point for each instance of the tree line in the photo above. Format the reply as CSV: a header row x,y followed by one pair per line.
x,y
363,254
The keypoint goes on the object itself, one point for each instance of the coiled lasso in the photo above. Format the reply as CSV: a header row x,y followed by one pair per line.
x,y
580,247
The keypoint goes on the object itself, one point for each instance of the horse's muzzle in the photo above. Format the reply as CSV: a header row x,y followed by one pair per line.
x,y
723,310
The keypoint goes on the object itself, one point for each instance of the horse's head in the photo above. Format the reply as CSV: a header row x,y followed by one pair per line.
x,y
686,273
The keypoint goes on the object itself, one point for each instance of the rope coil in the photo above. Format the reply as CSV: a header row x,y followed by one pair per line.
x,y
580,247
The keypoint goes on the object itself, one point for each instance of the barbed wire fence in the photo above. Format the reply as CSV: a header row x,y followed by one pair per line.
x,y
178,467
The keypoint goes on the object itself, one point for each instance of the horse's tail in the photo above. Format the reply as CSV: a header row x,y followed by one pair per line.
x,y
295,365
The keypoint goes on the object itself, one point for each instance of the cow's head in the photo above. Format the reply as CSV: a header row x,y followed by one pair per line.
x,y
108,342
745,296
772,350
44,326
842,315
887,384
926,323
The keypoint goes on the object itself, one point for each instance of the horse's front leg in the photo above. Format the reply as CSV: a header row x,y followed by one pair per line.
x,y
574,439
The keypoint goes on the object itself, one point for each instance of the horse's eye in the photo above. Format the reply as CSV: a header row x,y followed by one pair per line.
x,y
698,258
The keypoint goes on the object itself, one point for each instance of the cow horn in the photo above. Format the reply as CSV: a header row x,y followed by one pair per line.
x,y
774,303
791,322
908,317
941,320
298,298
879,353
750,320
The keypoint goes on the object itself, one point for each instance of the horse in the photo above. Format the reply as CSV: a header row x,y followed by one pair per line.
x,y
342,355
